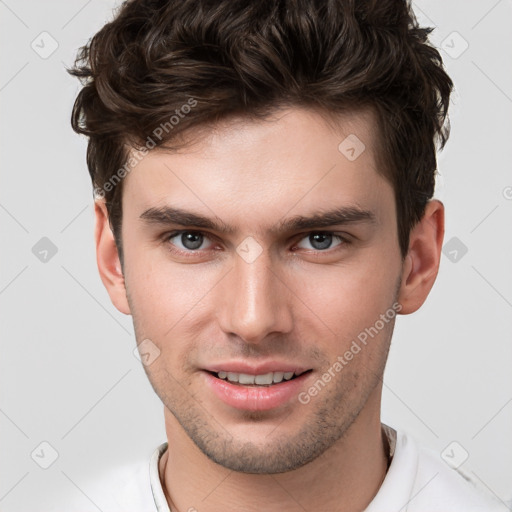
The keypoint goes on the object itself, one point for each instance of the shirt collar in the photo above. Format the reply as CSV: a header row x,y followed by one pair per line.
x,y
156,483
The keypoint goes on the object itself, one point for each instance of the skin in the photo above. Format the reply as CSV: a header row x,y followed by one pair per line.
x,y
296,302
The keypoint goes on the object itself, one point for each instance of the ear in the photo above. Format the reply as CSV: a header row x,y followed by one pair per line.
x,y
107,259
422,261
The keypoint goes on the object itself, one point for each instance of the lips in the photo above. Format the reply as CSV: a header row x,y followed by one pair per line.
x,y
260,388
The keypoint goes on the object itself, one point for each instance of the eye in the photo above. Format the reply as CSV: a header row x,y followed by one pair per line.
x,y
187,241
320,241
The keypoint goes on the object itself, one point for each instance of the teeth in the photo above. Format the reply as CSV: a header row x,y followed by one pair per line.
x,y
244,378
278,377
266,379
260,380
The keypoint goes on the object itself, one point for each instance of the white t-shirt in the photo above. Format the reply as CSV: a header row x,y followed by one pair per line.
x,y
418,480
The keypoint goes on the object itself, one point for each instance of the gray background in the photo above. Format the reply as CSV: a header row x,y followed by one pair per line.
x,y
68,374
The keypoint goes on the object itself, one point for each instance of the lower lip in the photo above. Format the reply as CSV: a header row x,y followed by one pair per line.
x,y
256,398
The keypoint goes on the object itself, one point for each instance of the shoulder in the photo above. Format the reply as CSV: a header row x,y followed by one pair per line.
x,y
418,480
449,488
125,488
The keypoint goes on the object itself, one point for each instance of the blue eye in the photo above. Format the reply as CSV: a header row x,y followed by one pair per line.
x,y
321,241
189,240
193,243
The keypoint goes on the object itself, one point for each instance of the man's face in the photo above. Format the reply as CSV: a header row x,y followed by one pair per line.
x,y
266,296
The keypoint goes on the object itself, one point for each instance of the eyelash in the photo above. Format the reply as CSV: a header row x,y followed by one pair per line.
x,y
192,253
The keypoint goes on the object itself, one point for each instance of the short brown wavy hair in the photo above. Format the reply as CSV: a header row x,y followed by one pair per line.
x,y
251,57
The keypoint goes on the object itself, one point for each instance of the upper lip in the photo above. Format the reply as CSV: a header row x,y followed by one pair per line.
x,y
259,369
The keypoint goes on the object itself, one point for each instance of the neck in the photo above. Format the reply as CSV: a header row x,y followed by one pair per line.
x,y
344,478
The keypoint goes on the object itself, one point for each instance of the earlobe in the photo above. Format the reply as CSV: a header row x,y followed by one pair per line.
x,y
107,258
422,261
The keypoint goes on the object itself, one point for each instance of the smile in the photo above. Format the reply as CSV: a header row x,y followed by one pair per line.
x,y
257,392
266,379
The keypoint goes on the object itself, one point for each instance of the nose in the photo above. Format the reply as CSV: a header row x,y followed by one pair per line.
x,y
254,302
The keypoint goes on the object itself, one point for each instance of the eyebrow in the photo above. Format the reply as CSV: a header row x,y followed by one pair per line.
x,y
167,215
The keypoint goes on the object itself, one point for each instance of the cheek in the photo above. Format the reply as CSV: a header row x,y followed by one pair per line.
x,y
160,294
347,297
172,305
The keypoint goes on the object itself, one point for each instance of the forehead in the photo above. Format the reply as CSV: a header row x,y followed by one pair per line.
x,y
291,162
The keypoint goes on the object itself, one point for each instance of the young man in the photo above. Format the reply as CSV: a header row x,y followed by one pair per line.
x,y
263,175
